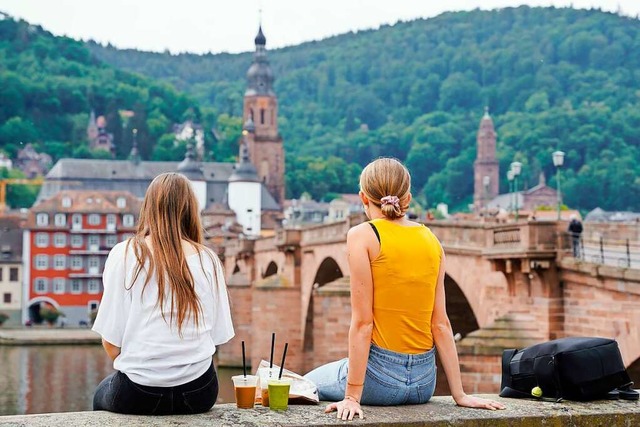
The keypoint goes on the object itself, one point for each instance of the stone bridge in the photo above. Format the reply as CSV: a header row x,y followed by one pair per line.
x,y
507,286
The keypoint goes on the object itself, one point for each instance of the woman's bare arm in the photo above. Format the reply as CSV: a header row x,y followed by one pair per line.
x,y
111,349
360,242
447,352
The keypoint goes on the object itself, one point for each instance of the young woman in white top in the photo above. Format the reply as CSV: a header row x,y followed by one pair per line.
x,y
164,310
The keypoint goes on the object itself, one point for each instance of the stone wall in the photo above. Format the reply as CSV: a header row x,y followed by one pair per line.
x,y
331,320
603,301
241,300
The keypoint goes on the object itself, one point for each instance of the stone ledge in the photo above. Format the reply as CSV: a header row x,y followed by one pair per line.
x,y
47,336
440,411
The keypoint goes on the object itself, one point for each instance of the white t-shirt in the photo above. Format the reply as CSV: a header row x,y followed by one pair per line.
x,y
152,353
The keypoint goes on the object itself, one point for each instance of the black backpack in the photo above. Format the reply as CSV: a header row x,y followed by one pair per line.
x,y
576,368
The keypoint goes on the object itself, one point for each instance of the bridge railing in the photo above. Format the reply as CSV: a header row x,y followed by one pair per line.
x,y
534,236
459,234
623,253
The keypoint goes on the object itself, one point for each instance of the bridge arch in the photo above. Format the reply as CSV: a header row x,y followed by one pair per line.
x,y
327,272
271,270
461,315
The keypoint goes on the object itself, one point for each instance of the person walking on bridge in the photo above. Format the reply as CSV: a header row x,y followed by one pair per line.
x,y
164,310
575,229
398,313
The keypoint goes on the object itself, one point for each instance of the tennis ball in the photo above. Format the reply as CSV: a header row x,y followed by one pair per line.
x,y
536,392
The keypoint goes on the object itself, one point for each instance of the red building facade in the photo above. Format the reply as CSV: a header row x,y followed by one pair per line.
x,y
66,242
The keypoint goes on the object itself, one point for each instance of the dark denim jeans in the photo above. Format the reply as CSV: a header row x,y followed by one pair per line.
x,y
117,393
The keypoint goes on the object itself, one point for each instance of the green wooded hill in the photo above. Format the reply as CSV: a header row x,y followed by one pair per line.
x,y
553,79
49,85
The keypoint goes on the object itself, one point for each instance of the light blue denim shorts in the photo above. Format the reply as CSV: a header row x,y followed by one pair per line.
x,y
391,379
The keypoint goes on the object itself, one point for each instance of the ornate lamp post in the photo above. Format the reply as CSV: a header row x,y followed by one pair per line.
x,y
510,178
558,160
516,168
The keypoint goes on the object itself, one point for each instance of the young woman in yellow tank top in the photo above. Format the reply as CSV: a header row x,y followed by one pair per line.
x,y
398,314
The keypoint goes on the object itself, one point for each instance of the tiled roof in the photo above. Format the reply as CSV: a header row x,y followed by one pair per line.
x,y
125,175
89,201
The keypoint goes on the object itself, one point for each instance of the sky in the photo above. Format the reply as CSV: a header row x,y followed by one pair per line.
x,y
201,26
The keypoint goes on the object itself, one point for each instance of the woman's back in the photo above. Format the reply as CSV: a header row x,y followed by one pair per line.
x,y
405,275
153,352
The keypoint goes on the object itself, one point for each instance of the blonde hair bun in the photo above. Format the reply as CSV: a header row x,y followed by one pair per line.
x,y
387,184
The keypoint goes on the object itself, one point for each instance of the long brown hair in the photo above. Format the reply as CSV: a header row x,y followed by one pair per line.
x,y
169,215
384,177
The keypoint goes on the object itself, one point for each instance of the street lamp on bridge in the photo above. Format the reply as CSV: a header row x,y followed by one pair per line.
x,y
558,161
516,168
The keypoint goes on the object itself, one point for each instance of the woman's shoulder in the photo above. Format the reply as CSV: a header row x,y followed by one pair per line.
x,y
120,249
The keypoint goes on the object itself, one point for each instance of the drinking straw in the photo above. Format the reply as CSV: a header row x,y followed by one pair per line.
x,y
286,345
273,343
244,361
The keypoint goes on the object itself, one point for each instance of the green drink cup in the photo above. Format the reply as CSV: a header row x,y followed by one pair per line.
x,y
279,394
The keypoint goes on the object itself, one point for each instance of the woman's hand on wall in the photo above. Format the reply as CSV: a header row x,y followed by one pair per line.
x,y
478,402
346,409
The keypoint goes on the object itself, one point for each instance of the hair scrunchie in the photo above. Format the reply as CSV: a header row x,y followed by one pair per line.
x,y
390,200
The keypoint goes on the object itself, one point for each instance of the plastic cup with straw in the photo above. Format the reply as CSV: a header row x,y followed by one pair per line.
x,y
266,374
279,388
245,385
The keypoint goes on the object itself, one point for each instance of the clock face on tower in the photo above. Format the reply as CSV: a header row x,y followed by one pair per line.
x,y
263,102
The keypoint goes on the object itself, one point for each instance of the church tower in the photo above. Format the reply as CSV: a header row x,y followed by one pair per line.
x,y
260,116
486,171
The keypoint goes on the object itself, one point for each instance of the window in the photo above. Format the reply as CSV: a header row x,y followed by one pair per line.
x,y
42,219
7,298
60,220
13,274
0,274
66,202
42,240
94,219
76,263
59,240
76,241
59,262
42,262
111,222
126,236
93,286
93,240
127,220
76,221
58,285
111,240
93,306
40,285
121,202
76,286
262,116
94,262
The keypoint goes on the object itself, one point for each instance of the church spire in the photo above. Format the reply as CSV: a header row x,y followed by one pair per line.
x,y
259,76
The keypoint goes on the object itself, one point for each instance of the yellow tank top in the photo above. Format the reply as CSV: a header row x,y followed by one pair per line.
x,y
405,274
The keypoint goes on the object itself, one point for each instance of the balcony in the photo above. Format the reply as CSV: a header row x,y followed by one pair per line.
x,y
78,229
93,273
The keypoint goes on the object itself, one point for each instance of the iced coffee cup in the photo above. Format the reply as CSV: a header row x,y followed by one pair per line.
x,y
279,393
265,375
245,390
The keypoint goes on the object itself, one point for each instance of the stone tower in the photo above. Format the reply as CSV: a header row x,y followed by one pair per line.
x,y
260,115
486,173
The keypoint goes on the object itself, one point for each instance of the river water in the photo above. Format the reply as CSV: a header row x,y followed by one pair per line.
x,y
38,379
